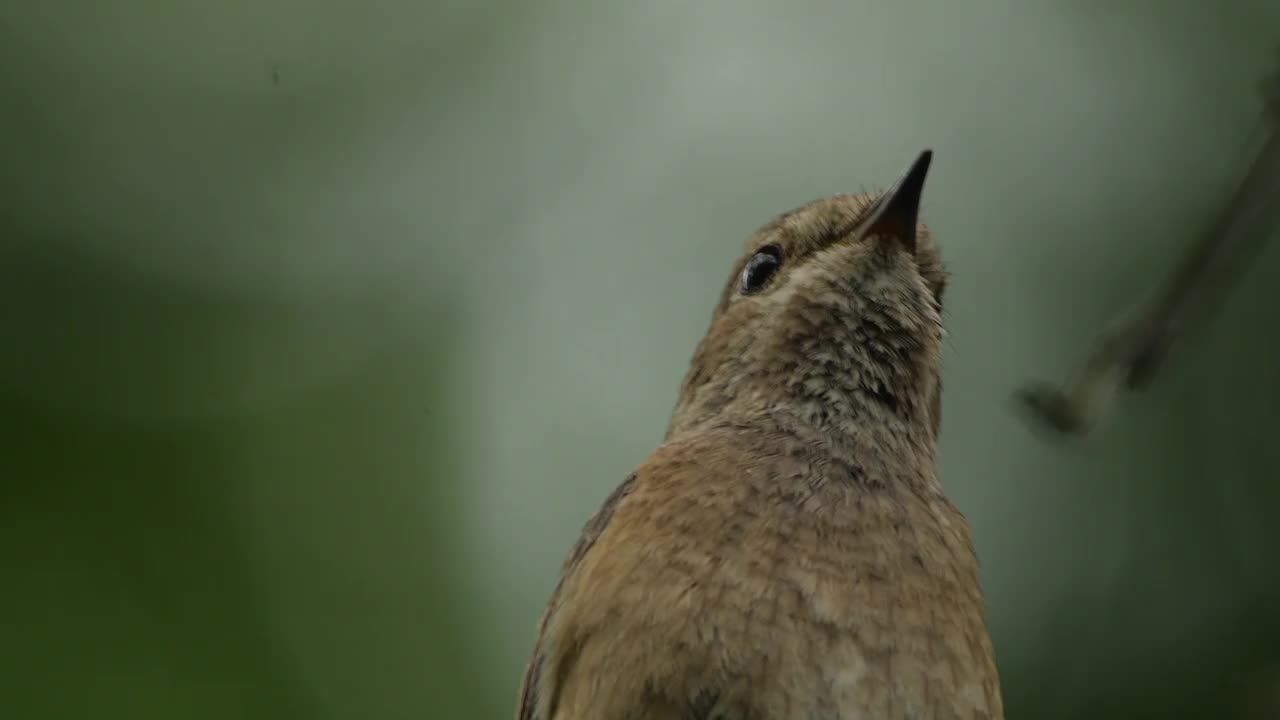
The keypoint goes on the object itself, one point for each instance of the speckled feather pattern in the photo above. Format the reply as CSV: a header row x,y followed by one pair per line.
x,y
788,552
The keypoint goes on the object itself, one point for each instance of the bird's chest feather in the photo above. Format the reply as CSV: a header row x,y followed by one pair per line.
x,y
777,600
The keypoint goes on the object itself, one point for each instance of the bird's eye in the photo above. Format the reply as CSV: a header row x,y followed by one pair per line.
x,y
760,268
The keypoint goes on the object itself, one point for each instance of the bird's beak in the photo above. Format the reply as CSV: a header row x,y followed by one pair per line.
x,y
894,215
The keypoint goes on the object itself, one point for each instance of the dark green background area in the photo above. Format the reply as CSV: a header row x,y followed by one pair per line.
x,y
326,326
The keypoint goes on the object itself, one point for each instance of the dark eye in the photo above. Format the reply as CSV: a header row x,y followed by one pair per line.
x,y
760,268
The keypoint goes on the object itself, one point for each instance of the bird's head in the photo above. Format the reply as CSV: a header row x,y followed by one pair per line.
x,y
831,317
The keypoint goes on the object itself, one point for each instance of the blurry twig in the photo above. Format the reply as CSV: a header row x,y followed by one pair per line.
x,y
1130,357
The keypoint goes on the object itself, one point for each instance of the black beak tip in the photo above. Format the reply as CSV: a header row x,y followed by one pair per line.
x,y
898,209
911,186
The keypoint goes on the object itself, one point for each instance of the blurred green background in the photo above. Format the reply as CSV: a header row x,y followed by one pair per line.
x,y
327,325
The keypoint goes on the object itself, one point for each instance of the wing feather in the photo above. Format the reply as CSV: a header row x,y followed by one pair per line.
x,y
533,686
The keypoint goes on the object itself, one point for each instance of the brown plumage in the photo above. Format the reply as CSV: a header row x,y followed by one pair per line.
x,y
787,553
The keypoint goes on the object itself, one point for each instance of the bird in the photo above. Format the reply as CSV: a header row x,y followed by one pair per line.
x,y
788,552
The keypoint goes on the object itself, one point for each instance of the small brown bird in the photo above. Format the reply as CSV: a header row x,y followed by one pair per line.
x,y
787,553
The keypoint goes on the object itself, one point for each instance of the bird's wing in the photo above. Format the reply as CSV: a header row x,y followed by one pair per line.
x,y
535,686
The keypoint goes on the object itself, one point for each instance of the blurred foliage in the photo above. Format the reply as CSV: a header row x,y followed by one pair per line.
x,y
288,557
326,326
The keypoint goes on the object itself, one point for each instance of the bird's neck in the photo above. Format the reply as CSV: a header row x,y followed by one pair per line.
x,y
852,416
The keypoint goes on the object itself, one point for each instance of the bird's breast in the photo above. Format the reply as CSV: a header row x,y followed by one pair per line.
x,y
778,606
